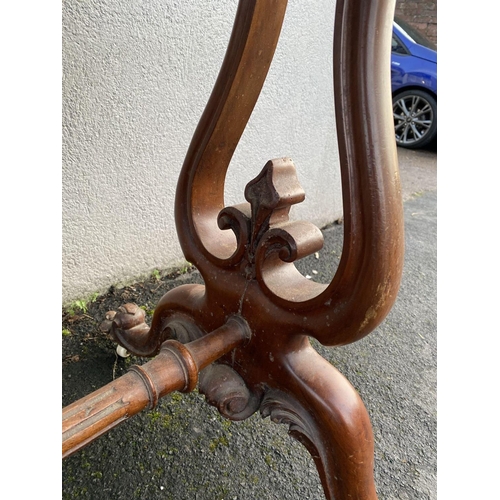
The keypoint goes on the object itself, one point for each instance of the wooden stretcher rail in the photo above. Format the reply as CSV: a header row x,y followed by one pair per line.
x,y
176,368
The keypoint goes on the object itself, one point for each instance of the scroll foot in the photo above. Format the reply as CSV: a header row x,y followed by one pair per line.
x,y
325,413
127,326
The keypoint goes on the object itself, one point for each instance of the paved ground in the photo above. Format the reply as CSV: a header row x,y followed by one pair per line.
x,y
418,171
184,450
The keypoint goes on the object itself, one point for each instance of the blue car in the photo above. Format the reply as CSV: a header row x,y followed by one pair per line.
x,y
414,87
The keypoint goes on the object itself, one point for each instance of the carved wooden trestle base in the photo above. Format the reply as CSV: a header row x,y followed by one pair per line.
x,y
242,338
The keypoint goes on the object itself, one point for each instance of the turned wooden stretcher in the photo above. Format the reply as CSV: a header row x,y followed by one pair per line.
x,y
242,338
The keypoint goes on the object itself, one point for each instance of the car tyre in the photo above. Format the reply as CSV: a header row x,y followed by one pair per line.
x,y
415,118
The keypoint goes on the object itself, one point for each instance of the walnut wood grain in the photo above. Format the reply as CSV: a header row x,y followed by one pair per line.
x,y
246,253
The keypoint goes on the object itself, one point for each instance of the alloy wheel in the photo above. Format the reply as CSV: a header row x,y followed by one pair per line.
x,y
414,119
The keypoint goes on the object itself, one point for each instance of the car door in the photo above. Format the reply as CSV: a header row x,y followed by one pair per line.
x,y
399,58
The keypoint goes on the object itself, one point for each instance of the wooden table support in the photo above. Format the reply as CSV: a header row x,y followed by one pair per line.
x,y
175,368
259,309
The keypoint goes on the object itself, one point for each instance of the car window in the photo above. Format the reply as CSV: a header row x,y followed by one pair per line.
x,y
397,46
415,35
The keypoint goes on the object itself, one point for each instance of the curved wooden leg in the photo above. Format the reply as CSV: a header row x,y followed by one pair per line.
x,y
327,415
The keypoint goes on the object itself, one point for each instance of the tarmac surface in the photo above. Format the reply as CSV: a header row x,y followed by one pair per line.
x,y
184,450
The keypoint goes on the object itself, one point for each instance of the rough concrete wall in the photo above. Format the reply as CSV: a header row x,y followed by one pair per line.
x,y
136,78
421,14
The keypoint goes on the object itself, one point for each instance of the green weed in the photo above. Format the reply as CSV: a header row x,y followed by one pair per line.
x,y
81,304
147,310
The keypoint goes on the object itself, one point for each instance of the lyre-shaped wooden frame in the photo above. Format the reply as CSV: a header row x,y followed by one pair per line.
x,y
256,311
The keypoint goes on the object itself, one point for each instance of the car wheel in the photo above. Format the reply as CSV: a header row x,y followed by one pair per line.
x,y
415,114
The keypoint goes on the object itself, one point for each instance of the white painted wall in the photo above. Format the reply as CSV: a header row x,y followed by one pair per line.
x,y
136,78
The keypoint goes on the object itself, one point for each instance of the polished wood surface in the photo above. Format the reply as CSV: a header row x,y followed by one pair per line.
x,y
246,254
175,368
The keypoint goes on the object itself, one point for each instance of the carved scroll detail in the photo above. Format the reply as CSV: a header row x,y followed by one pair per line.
x,y
172,319
227,391
263,228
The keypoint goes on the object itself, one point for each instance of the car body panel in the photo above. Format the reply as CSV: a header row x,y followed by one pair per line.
x,y
409,71
417,68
